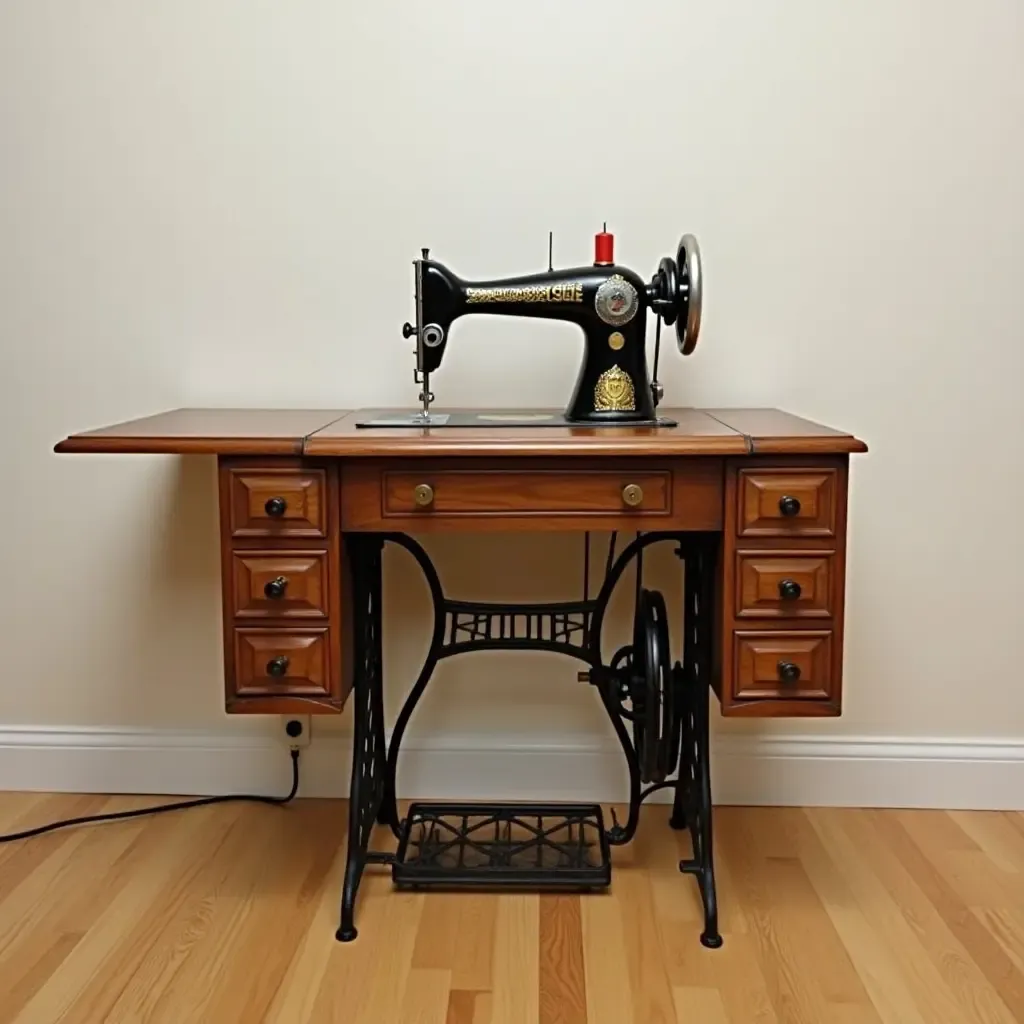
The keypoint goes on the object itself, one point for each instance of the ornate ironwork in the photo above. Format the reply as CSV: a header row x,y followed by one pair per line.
x,y
572,628
481,626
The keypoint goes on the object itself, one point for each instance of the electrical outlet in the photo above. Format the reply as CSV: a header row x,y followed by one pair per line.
x,y
296,730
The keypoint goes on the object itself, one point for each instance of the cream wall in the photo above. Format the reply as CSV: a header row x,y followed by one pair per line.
x,y
217,203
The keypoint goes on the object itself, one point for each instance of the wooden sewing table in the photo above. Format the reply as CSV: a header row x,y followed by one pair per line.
x,y
308,501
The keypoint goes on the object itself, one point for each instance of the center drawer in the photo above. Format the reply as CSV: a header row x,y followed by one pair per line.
x,y
497,491
521,494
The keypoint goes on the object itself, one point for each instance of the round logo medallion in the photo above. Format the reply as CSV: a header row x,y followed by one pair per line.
x,y
616,301
616,340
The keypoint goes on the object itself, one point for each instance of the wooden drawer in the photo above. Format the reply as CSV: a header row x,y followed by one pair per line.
x,y
281,662
787,503
277,502
783,665
496,492
771,584
285,584
511,494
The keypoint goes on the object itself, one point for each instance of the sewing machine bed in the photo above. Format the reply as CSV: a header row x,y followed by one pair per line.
x,y
490,418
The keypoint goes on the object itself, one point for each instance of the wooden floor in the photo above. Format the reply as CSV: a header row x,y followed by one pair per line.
x,y
228,913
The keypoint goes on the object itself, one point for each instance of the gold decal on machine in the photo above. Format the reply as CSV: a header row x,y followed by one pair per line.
x,y
614,392
570,291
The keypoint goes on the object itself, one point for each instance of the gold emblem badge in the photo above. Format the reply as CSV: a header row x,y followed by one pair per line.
x,y
616,340
614,392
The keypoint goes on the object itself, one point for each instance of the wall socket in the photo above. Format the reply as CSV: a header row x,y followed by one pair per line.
x,y
295,730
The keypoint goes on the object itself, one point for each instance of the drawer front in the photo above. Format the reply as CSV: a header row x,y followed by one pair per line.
x,y
498,492
281,662
794,585
277,503
286,584
787,503
783,666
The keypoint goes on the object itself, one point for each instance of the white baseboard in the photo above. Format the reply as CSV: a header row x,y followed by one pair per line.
x,y
796,770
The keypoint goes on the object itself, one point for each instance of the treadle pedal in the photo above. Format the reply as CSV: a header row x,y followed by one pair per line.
x,y
522,846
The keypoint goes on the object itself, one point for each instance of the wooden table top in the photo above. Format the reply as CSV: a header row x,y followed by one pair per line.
x,y
326,432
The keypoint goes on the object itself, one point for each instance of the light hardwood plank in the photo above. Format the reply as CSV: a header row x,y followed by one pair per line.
x,y
609,1000
228,913
699,1005
563,998
426,998
984,949
516,993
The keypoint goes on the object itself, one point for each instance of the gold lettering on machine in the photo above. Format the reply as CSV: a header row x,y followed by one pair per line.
x,y
570,291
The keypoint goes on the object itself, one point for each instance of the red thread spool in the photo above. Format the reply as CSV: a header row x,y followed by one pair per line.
x,y
604,249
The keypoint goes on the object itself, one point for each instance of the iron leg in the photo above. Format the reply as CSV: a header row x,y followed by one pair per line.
x,y
369,757
693,791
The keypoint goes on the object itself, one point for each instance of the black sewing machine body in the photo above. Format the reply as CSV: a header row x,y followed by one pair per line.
x,y
610,303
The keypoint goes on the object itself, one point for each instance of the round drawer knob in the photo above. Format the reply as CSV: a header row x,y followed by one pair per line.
x,y
789,590
278,666
275,507
275,589
789,506
423,495
788,672
633,495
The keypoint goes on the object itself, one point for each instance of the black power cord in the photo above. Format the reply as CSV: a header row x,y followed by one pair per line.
x,y
181,805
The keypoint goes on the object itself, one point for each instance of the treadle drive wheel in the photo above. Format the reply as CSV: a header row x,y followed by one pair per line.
x,y
655,690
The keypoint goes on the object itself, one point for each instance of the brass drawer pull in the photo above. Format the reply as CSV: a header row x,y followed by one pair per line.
x,y
275,589
423,495
633,495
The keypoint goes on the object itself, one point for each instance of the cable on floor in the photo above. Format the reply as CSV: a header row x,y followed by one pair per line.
x,y
180,805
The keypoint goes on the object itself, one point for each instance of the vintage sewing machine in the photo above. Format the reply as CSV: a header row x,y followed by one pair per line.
x,y
609,302
751,501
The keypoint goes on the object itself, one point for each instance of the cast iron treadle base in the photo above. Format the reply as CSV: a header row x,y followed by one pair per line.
x,y
473,845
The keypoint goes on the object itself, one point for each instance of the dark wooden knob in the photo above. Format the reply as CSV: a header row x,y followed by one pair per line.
x,y
278,666
276,507
789,590
789,506
788,672
275,588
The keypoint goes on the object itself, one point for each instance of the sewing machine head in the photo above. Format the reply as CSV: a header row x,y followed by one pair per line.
x,y
609,302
